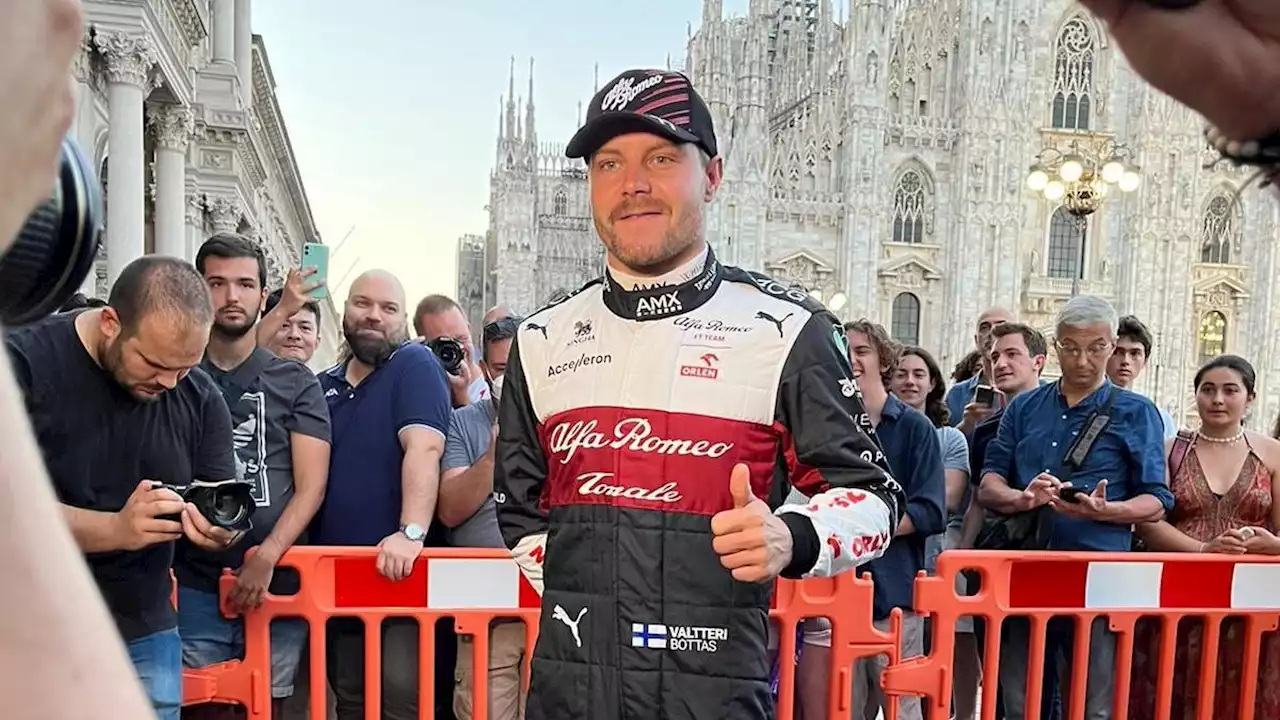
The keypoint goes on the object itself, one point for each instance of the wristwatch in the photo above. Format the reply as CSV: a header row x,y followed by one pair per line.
x,y
414,532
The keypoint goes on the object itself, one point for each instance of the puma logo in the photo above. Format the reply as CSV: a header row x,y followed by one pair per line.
x,y
540,328
762,315
558,613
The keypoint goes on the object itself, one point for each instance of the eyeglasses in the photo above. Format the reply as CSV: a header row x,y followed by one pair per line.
x,y
1096,350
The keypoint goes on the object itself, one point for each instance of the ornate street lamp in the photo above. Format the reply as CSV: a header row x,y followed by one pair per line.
x,y
837,301
1082,177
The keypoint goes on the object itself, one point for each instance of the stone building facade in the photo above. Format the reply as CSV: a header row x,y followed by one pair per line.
x,y
177,107
880,150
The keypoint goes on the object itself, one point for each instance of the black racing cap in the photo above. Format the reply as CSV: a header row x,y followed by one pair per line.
x,y
654,101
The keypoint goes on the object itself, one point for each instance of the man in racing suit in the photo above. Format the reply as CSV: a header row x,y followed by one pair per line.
x,y
651,425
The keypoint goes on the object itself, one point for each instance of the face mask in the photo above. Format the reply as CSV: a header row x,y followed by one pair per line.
x,y
495,387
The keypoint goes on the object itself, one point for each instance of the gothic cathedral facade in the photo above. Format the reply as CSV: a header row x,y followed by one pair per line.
x,y
882,154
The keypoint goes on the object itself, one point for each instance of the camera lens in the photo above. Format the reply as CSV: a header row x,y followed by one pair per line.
x,y
226,505
56,247
450,354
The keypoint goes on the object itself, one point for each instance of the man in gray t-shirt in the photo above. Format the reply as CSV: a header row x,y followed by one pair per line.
x,y
281,436
465,506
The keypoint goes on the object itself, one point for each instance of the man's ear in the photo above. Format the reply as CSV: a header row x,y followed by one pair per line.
x,y
715,175
109,323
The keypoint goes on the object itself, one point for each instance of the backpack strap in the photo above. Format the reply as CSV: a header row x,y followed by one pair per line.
x,y
1178,453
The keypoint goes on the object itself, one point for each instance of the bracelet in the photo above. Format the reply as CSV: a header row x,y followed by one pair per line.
x,y
1263,153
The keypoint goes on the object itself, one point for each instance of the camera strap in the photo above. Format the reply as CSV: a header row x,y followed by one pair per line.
x,y
1094,426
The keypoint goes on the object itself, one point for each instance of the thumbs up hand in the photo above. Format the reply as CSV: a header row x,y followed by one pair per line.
x,y
752,542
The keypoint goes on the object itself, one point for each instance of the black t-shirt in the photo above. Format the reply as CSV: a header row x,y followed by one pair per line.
x,y
99,442
270,399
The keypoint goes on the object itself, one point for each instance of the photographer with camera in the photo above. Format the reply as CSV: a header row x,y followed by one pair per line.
x,y
442,325
123,417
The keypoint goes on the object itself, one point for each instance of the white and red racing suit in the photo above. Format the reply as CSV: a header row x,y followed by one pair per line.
x,y
623,414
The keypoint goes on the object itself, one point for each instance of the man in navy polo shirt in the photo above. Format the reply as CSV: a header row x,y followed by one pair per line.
x,y
390,409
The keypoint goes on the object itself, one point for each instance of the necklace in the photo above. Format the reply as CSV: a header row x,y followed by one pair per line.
x,y
1221,440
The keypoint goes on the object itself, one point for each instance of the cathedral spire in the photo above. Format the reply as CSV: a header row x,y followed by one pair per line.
x,y
529,132
510,130
595,86
712,11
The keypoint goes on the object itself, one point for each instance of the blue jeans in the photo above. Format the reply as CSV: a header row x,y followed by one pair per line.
x,y
208,638
157,659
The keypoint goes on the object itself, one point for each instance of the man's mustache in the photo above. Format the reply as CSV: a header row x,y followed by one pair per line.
x,y
635,208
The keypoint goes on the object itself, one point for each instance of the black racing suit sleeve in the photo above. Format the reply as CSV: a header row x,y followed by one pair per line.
x,y
520,471
854,504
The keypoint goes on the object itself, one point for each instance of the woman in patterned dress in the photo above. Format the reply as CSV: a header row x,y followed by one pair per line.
x,y
1225,491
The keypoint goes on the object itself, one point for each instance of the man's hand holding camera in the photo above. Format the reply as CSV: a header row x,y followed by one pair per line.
x,y
147,519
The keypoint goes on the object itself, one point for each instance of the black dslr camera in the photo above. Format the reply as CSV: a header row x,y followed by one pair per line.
x,y
450,353
56,247
228,504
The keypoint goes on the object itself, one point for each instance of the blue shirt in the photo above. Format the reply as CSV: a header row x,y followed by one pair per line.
x,y
362,504
959,395
910,443
1038,428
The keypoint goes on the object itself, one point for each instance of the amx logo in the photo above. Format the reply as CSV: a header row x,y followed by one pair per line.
x,y
664,304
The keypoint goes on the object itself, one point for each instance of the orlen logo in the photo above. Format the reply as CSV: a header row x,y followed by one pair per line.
x,y
706,370
635,434
601,483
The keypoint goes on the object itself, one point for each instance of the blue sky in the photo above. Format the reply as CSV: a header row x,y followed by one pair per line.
x,y
392,107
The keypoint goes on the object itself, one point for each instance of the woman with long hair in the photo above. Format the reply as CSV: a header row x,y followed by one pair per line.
x,y
1225,490
918,382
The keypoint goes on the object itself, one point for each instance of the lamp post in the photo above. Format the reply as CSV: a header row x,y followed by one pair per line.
x,y
1081,179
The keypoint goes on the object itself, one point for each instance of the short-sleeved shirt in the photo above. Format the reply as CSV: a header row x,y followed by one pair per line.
x,y
362,503
99,442
1038,428
470,432
955,456
269,399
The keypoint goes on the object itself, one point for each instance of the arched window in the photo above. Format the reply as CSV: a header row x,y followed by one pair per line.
x,y
1213,336
560,204
910,208
1067,234
905,323
1221,231
1074,62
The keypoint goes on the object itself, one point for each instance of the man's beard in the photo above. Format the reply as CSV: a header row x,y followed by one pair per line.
x,y
643,259
111,354
372,351
235,330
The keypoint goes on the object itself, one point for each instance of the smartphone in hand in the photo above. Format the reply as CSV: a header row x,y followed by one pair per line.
x,y
985,395
316,255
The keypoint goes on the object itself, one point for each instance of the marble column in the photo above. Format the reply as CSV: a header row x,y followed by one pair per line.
x,y
195,215
224,213
128,59
173,126
224,31
244,49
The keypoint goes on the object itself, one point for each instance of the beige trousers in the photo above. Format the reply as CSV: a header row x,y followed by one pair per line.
x,y
506,697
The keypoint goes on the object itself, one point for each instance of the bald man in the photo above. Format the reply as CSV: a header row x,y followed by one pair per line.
x,y
960,396
497,312
389,405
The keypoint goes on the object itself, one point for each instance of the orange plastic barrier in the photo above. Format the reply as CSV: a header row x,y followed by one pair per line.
x,y
474,587
1121,587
